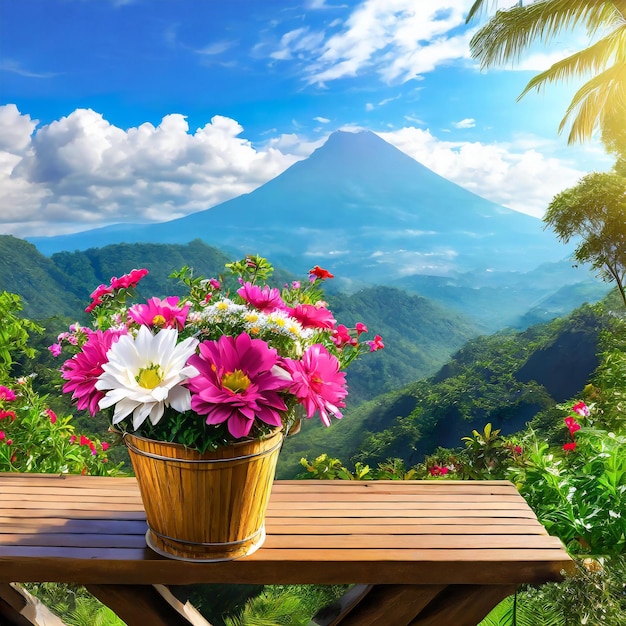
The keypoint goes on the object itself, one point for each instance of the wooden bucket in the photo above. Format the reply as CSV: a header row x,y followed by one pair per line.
x,y
205,507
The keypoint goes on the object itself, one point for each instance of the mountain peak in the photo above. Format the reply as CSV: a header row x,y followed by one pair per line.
x,y
362,207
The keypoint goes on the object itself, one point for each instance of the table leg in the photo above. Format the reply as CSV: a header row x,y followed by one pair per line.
x,y
139,605
462,605
413,605
373,605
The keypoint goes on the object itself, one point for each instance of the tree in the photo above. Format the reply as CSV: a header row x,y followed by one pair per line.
x,y
601,101
595,211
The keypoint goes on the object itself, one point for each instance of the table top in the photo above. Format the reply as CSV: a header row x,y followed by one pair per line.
x,y
91,530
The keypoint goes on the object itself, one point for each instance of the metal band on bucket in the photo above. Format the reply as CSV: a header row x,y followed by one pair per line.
x,y
161,457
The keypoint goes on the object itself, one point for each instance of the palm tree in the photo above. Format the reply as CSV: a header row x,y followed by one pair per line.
x,y
601,101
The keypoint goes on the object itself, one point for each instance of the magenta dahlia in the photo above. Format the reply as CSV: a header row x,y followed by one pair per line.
x,y
317,382
83,369
239,380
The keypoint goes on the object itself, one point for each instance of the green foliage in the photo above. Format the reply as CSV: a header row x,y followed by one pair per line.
x,y
74,605
34,439
595,211
580,496
268,609
514,30
326,468
44,288
15,332
595,595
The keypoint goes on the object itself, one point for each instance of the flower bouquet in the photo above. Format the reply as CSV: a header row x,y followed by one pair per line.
x,y
221,373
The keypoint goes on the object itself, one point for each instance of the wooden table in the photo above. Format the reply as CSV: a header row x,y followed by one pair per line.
x,y
420,552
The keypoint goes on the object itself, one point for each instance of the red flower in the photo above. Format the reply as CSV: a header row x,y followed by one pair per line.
x,y
52,415
342,337
569,447
84,441
436,470
319,273
376,343
5,414
128,280
105,446
73,439
572,424
582,409
360,327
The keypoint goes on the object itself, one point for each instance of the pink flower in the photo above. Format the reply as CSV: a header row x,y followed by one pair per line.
x,y
7,394
84,441
239,380
105,446
265,299
2,435
52,415
569,447
317,382
581,409
9,442
319,273
160,313
360,328
55,348
311,316
5,414
97,297
572,424
73,439
128,280
341,337
376,343
83,369
215,283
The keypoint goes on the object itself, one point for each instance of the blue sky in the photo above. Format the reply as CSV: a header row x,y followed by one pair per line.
x,y
147,110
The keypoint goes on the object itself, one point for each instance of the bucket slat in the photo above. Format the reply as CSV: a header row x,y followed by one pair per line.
x,y
206,507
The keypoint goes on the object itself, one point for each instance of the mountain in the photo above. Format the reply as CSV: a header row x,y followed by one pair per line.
x,y
361,207
506,379
373,215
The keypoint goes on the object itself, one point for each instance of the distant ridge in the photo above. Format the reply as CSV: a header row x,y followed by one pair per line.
x,y
360,206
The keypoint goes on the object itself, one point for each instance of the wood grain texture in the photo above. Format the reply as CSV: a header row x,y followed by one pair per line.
x,y
91,530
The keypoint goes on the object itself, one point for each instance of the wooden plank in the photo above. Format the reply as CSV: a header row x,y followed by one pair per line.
x,y
462,527
450,543
357,513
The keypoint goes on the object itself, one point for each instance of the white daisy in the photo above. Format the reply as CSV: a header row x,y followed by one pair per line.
x,y
144,375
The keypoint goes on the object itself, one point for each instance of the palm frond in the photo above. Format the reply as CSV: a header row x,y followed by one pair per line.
x,y
594,59
509,33
598,102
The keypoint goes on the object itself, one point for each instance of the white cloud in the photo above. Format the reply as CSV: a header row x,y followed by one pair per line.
x,y
398,39
517,176
322,120
81,171
468,122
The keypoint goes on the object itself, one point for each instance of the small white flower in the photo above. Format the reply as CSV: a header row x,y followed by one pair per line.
x,y
144,375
